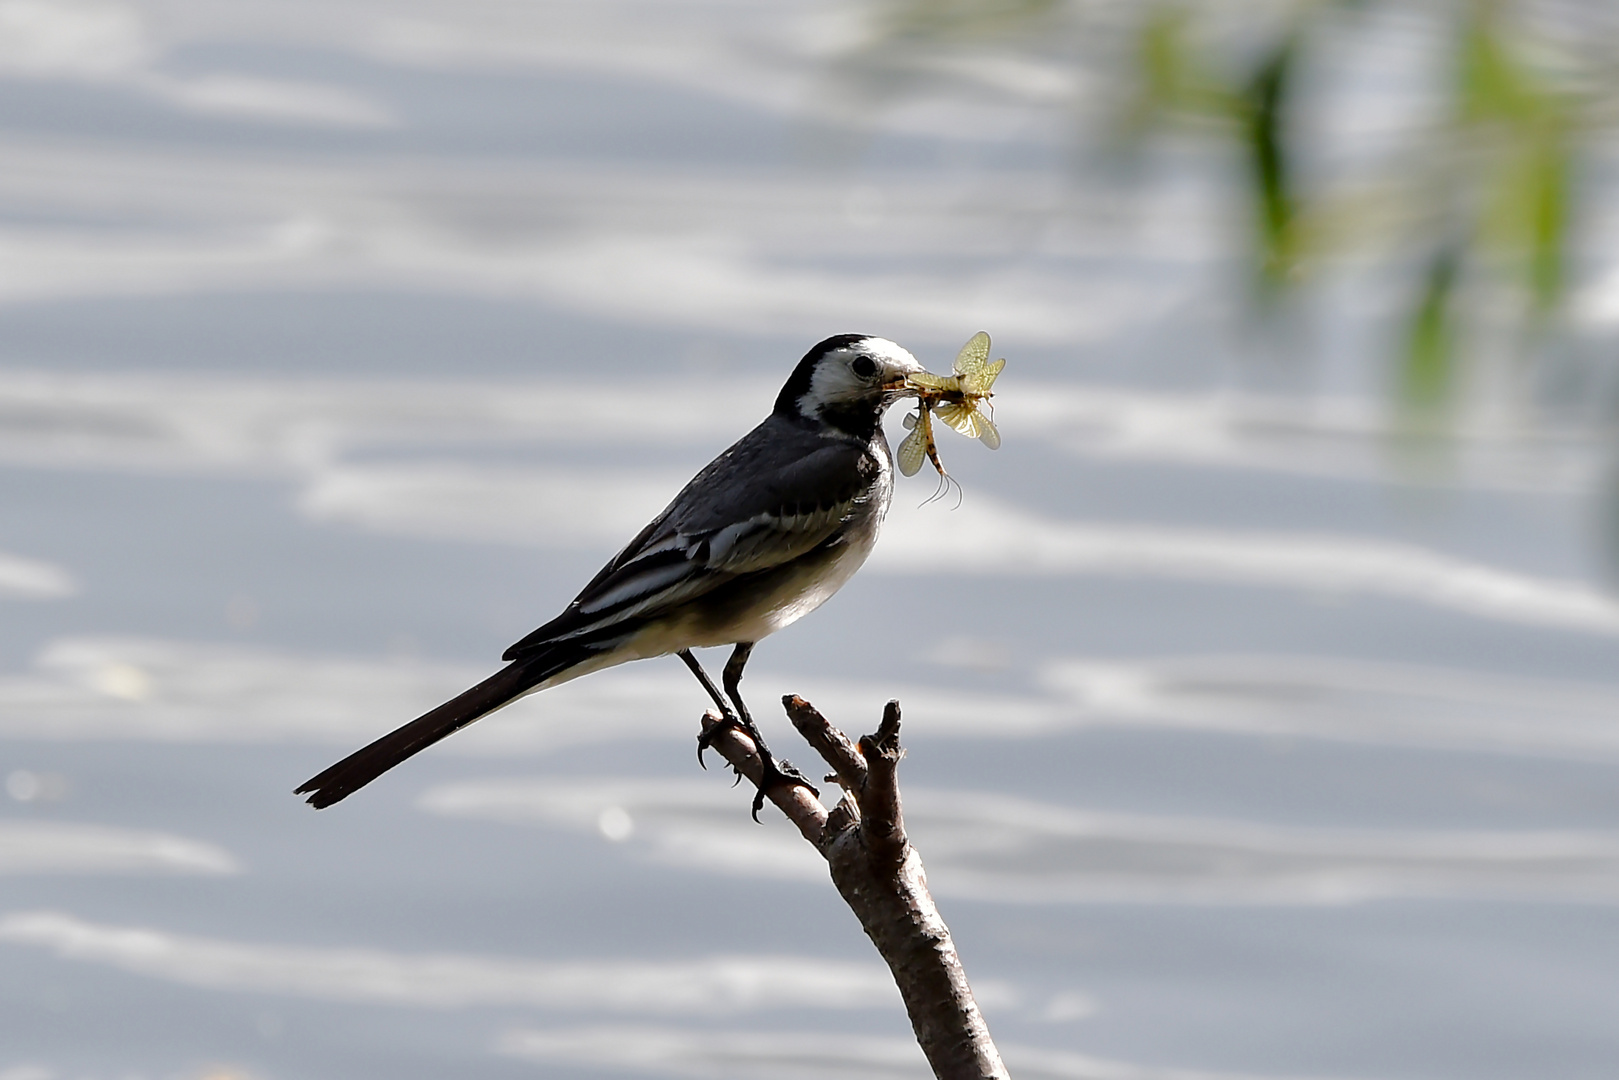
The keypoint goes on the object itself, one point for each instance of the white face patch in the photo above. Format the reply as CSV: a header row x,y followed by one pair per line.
x,y
835,381
896,357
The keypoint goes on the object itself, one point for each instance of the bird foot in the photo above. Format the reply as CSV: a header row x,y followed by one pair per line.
x,y
727,722
773,773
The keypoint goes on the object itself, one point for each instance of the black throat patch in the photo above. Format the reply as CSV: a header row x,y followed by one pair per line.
x,y
859,420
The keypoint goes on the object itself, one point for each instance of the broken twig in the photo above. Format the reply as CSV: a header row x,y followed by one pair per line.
x,y
880,876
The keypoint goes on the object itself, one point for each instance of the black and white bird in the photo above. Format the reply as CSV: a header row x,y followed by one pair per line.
x,y
760,538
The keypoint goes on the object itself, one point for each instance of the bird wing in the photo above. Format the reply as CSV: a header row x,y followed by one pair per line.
x,y
775,496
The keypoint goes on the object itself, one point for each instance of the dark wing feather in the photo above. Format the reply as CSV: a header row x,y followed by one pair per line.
x,y
776,495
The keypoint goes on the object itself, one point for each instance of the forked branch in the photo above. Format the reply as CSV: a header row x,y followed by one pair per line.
x,y
880,876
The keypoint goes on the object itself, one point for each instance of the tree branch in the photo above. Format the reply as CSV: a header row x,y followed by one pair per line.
x,y
880,876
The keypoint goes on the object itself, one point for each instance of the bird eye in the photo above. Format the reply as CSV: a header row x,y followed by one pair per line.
x,y
864,366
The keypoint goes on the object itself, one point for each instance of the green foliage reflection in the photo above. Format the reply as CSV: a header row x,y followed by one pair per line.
x,y
1475,205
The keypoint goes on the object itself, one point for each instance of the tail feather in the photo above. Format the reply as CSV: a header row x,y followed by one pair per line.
x,y
366,764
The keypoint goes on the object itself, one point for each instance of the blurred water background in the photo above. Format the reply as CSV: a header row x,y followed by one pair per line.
x,y
1261,692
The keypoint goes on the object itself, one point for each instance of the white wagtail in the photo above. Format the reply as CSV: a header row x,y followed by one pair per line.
x,y
761,537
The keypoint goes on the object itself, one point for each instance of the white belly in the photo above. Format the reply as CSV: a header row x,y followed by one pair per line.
x,y
760,605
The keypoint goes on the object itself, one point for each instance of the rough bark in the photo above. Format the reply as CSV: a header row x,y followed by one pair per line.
x,y
880,876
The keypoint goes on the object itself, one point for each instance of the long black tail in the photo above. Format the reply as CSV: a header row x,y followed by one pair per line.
x,y
365,765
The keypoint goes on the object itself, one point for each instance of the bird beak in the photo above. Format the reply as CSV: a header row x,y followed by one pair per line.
x,y
940,387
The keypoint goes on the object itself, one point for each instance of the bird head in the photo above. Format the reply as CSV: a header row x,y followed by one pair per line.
x,y
847,382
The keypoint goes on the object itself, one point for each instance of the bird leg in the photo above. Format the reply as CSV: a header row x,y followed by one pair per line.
x,y
728,718
733,679
708,684
774,772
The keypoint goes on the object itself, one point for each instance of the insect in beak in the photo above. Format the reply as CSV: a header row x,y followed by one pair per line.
x,y
957,399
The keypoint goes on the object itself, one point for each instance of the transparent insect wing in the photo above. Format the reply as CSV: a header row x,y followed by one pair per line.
x,y
915,445
977,377
964,418
988,433
926,380
910,453
991,373
973,354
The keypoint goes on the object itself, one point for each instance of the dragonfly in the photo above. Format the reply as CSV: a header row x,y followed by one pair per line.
x,y
958,399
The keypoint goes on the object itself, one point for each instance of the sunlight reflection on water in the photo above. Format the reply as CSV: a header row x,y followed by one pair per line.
x,y
339,343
